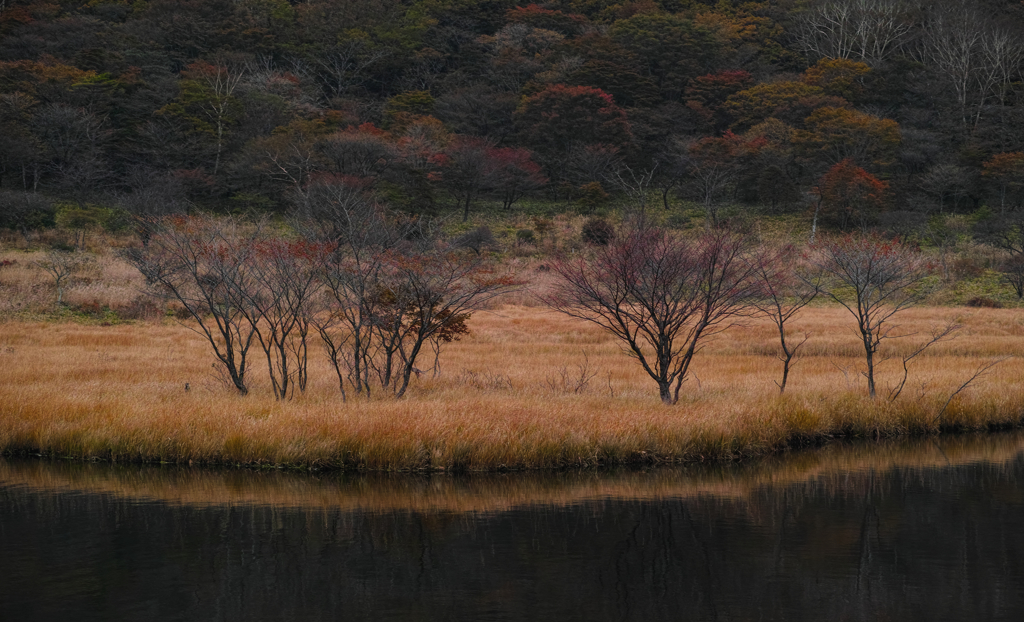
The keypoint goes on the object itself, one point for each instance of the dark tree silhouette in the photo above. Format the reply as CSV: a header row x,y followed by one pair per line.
x,y
661,294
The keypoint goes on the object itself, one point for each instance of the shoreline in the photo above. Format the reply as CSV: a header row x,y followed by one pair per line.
x,y
828,467
797,444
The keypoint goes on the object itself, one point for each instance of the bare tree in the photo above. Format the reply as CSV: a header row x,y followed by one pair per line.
x,y
342,211
589,163
1012,271
61,266
662,295
68,132
1005,232
942,334
340,67
977,58
351,280
946,181
278,305
358,231
390,288
864,30
874,279
708,181
387,304
215,100
783,291
203,264
436,290
291,159
636,184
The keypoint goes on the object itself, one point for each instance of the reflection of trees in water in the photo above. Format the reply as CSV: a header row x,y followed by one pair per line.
x,y
834,467
902,543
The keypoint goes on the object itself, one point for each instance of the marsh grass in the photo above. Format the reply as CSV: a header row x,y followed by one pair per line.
x,y
118,393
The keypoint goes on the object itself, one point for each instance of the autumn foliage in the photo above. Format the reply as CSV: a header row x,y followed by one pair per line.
x,y
555,118
849,196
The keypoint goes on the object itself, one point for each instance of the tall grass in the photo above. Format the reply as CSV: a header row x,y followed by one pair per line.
x,y
118,393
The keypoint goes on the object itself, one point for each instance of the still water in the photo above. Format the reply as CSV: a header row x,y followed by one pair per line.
x,y
929,529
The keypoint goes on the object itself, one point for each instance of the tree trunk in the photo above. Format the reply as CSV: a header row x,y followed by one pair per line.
x,y
665,392
871,373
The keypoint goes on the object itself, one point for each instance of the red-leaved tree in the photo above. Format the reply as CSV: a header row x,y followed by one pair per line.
x,y
514,174
848,195
558,117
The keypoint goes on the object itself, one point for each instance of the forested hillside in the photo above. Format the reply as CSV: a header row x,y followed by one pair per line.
x,y
864,113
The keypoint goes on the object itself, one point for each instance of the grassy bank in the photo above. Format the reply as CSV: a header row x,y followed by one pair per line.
x,y
833,469
508,396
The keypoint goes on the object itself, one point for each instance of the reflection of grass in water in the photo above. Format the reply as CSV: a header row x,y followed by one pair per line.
x,y
835,469
118,393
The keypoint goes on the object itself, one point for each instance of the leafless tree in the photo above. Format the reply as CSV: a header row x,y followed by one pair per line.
x,y
672,161
290,159
1012,271
662,295
874,279
339,68
864,30
345,323
61,265
946,181
589,163
220,82
468,170
942,334
203,264
279,306
390,288
436,290
342,211
783,291
1005,232
977,58
68,132
387,304
636,184
358,231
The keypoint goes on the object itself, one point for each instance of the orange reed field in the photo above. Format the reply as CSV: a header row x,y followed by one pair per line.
x,y
507,396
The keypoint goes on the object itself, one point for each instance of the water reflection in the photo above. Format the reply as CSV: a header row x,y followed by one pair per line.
x,y
926,529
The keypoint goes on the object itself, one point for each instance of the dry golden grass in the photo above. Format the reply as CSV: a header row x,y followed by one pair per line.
x,y
104,281
117,392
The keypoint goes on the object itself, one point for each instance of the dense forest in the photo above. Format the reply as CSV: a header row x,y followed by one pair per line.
x,y
864,113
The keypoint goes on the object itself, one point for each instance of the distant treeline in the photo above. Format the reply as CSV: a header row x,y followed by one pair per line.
x,y
865,112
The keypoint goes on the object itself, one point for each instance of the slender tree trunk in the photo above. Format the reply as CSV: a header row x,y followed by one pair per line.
x,y
814,221
870,356
788,357
220,145
409,364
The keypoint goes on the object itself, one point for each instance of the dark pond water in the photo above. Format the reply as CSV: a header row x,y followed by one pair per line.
x,y
926,530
